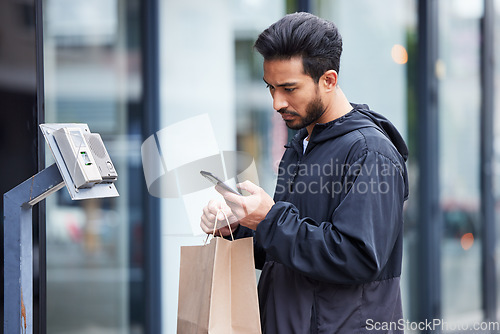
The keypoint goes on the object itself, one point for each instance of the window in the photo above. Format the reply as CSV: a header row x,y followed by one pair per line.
x,y
95,263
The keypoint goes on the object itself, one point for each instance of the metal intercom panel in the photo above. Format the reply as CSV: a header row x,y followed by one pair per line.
x,y
82,159
78,157
101,157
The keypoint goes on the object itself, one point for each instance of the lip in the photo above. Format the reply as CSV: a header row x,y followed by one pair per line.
x,y
287,117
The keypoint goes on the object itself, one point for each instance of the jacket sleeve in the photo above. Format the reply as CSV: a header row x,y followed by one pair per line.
x,y
354,246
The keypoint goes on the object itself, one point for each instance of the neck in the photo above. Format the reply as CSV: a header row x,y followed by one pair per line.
x,y
338,105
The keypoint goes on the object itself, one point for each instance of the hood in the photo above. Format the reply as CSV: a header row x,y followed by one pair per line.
x,y
359,117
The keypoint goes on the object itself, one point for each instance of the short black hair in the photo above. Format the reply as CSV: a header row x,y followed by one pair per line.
x,y
316,40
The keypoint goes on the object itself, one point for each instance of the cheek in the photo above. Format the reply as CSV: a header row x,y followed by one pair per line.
x,y
300,101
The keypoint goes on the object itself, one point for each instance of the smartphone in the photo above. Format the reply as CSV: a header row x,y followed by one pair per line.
x,y
216,181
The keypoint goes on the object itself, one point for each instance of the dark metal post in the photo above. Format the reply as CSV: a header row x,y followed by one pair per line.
x,y
151,102
304,6
429,223
488,234
18,245
39,235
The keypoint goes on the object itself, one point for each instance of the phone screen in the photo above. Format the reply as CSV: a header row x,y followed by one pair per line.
x,y
217,181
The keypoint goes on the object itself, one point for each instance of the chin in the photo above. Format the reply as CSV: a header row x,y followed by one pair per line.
x,y
294,126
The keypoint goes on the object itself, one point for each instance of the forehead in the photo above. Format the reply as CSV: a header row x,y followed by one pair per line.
x,y
284,70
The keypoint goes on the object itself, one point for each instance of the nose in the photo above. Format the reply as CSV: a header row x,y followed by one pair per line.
x,y
279,102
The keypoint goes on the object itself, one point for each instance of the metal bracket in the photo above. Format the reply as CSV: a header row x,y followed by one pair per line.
x,y
18,247
18,230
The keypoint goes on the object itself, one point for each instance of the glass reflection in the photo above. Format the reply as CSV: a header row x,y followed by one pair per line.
x,y
459,107
92,75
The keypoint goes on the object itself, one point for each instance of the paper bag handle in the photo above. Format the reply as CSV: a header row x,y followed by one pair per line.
x,y
227,221
215,226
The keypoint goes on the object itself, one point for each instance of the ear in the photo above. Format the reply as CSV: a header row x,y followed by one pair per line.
x,y
329,80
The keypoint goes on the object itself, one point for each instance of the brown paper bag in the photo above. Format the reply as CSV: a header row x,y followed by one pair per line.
x,y
218,289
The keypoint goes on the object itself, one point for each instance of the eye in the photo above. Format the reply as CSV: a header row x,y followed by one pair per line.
x,y
289,90
268,86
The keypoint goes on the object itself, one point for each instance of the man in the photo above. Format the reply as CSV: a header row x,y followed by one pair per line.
x,y
330,243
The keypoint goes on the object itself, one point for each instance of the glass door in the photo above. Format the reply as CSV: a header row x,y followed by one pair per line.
x,y
458,72
95,266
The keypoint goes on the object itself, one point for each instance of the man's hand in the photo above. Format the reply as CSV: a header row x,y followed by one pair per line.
x,y
249,210
208,218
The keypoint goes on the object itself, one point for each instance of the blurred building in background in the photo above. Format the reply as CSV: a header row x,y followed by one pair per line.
x,y
129,68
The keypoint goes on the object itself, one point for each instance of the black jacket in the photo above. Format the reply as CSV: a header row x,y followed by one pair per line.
x,y
330,249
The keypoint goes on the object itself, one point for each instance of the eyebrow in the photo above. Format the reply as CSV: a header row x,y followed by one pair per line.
x,y
286,84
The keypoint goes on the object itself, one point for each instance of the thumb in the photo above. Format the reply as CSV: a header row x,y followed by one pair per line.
x,y
252,188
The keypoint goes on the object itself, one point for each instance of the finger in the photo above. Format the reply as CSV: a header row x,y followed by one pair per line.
x,y
205,225
220,217
208,225
224,218
208,218
221,190
231,218
252,188
208,214
229,196
238,207
225,208
213,205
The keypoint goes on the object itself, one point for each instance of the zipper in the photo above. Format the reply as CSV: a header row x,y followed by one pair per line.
x,y
292,178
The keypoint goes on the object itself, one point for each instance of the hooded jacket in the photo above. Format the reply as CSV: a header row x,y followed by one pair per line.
x,y
330,249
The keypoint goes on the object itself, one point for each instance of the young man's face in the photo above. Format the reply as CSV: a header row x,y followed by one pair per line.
x,y
295,94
